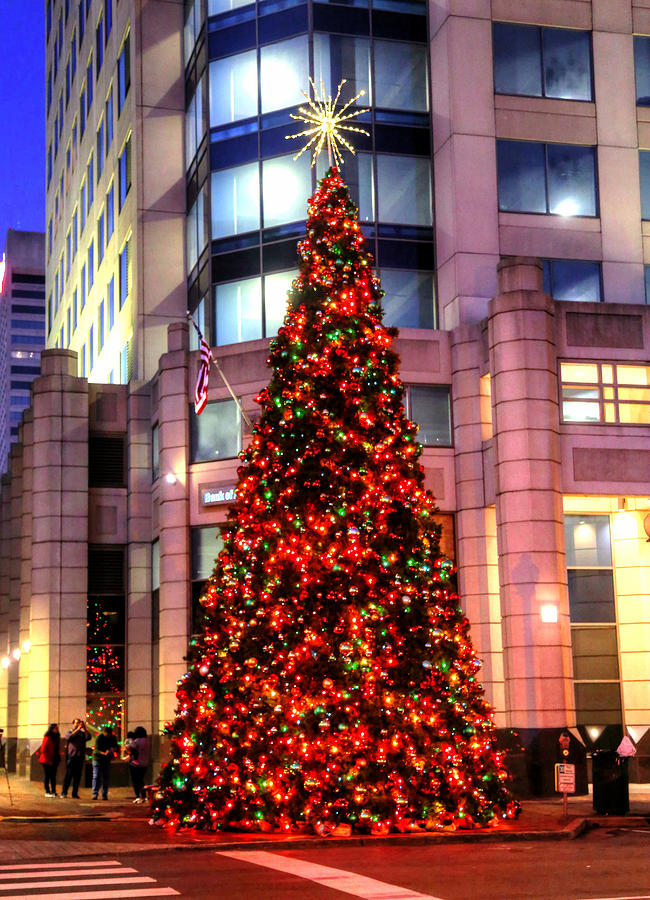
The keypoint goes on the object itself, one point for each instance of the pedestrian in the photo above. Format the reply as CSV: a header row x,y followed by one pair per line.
x,y
75,757
105,751
49,758
139,753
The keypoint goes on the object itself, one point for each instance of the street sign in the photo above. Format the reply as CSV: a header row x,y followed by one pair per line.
x,y
565,778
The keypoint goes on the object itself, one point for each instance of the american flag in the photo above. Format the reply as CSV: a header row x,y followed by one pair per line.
x,y
201,392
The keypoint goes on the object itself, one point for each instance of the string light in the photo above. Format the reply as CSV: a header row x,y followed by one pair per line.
x,y
334,688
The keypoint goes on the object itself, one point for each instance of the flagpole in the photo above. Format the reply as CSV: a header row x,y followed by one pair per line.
x,y
215,363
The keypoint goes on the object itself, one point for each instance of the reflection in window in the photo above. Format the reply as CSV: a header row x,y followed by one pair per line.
x,y
429,407
216,433
404,190
194,123
239,306
546,178
233,88
238,311
409,300
286,185
284,73
197,237
542,62
337,57
207,543
235,200
220,6
642,69
572,279
401,76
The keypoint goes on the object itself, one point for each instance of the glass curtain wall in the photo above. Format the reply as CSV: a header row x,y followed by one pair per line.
x,y
247,65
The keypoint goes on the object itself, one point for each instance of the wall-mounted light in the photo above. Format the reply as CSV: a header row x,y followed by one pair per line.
x,y
16,653
548,612
4,662
170,478
27,646
646,527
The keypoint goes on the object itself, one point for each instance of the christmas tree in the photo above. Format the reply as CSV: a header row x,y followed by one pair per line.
x,y
335,685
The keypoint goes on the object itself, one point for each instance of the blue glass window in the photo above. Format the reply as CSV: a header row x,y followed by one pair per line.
x,y
546,178
284,72
337,57
100,237
404,190
233,88
100,148
573,279
401,80
642,69
123,73
125,272
409,300
110,212
285,186
109,118
644,176
125,171
111,302
542,62
429,407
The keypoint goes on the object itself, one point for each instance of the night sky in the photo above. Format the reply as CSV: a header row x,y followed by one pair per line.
x,y
22,116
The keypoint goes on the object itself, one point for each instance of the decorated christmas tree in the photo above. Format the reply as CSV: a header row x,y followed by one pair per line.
x,y
335,685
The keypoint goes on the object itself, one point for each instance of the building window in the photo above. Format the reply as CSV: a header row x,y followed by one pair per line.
x,y
546,178
233,88
125,363
89,86
207,543
216,433
125,171
123,73
82,110
285,184
430,408
252,308
90,182
616,393
99,45
125,273
593,620
197,235
642,69
109,118
236,200
106,633
404,190
74,310
400,76
83,203
409,300
91,348
194,123
110,213
101,326
75,237
108,18
82,361
155,453
73,56
91,265
284,69
100,238
573,279
542,62
646,274
83,286
192,27
111,302
100,149
644,177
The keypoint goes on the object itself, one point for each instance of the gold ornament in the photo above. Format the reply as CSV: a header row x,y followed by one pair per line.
x,y
326,123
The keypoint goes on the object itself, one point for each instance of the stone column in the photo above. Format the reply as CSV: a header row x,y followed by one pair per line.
x,y
27,441
475,527
14,547
57,690
530,533
140,701
173,516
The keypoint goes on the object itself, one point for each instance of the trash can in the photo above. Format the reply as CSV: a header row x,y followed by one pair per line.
x,y
611,787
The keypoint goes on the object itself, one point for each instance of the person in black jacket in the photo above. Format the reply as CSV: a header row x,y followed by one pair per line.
x,y
105,751
75,757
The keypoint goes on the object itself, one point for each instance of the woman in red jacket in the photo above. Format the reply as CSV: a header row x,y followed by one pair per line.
x,y
49,759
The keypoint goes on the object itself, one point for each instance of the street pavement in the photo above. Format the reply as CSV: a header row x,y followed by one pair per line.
x,y
104,850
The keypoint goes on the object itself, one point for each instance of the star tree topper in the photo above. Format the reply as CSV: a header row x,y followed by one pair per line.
x,y
326,123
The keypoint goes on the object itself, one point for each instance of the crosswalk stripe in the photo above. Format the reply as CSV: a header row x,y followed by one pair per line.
x,y
68,873
62,865
99,895
86,882
337,879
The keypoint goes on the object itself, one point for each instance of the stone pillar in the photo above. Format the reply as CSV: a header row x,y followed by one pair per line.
x,y
140,701
529,517
27,441
14,547
475,527
60,544
172,503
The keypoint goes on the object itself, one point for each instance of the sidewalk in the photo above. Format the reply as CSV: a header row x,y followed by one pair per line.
x,y
38,827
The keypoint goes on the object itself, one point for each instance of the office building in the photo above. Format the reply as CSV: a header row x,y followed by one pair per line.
x,y
22,329
505,192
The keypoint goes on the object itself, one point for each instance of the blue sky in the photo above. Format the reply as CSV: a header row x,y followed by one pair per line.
x,y
22,116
